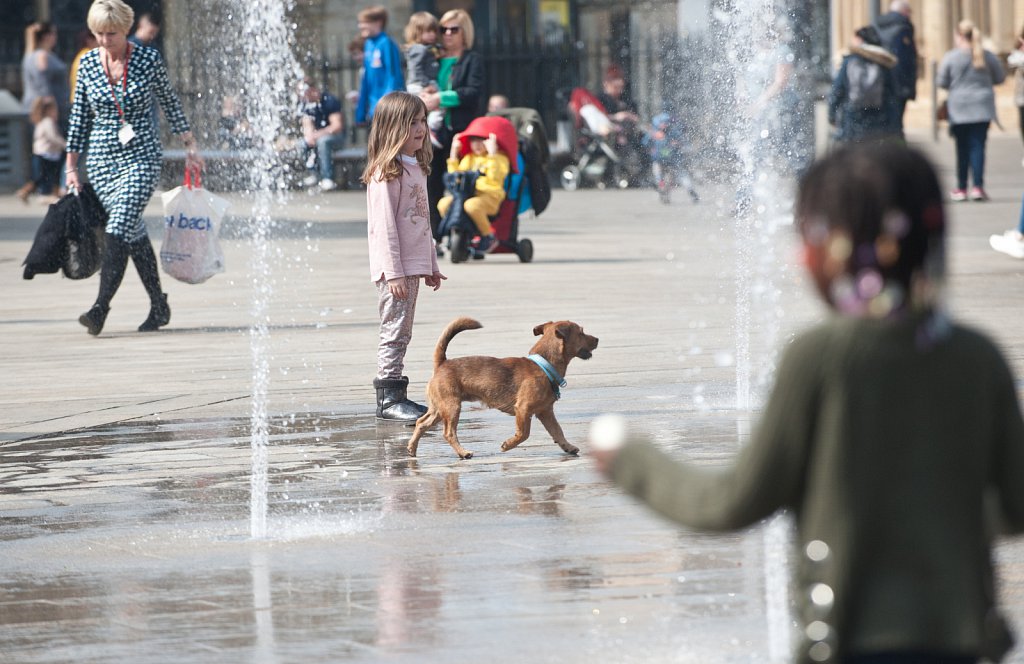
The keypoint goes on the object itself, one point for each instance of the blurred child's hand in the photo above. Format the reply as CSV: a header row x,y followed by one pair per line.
x,y
434,280
456,141
607,435
603,460
397,288
491,144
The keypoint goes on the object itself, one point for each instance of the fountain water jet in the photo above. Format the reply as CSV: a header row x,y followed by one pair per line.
x,y
259,68
757,91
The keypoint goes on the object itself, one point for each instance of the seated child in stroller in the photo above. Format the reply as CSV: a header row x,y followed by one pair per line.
x,y
488,146
668,148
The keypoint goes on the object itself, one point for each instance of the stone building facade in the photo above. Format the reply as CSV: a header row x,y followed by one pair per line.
x,y
633,35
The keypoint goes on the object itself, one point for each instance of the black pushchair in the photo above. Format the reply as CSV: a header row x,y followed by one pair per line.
x,y
462,233
529,188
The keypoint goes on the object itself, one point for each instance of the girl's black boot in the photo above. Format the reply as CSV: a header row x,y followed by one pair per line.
x,y
392,403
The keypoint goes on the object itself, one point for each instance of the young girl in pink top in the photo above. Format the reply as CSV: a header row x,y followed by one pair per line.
x,y
401,244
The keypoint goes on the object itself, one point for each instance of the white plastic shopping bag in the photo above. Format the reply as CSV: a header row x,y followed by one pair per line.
x,y
190,251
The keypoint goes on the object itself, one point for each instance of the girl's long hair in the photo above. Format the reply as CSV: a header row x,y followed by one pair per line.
x,y
969,31
40,107
390,127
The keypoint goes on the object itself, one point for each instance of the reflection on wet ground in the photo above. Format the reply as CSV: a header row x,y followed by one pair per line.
x,y
130,542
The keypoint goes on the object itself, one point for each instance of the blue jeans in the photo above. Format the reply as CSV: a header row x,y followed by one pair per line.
x,y
1020,224
325,145
970,152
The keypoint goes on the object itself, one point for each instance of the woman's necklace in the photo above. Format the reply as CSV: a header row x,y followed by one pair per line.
x,y
126,133
115,66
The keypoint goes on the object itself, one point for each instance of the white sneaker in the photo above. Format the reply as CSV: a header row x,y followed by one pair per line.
x,y
1010,243
328,184
310,180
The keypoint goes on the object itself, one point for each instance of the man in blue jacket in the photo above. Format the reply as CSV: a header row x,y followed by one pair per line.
x,y
898,38
382,62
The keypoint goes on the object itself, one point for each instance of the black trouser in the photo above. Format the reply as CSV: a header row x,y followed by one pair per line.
x,y
910,658
901,107
48,177
115,260
435,181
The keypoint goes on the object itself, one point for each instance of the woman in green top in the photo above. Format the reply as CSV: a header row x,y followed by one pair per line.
x,y
893,434
461,94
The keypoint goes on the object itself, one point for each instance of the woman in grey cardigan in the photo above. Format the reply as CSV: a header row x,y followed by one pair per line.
x,y
1016,62
969,73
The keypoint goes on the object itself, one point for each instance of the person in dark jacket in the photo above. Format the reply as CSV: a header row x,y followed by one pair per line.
x,y
461,95
863,104
897,34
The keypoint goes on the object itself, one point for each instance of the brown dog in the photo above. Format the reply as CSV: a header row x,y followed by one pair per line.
x,y
514,385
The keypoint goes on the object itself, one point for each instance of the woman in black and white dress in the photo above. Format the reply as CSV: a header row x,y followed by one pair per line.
x,y
112,120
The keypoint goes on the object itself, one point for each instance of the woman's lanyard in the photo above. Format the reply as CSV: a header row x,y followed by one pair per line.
x,y
125,134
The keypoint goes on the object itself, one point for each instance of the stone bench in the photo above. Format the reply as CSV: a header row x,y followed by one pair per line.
x,y
224,167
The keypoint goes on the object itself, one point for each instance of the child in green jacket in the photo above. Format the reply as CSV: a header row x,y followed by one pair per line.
x,y
893,434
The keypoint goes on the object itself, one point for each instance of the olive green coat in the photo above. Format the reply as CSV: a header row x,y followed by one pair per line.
x,y
890,452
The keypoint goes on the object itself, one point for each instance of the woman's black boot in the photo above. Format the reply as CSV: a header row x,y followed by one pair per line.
x,y
159,315
115,260
392,403
94,318
146,265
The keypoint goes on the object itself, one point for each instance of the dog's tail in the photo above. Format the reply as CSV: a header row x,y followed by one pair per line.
x,y
454,327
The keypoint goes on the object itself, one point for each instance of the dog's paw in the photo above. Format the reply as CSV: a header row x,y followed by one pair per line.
x,y
571,449
466,455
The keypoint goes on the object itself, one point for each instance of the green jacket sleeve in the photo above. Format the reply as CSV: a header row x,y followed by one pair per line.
x,y
450,99
767,474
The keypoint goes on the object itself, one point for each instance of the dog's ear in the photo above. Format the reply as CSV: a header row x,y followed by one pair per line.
x,y
539,330
563,330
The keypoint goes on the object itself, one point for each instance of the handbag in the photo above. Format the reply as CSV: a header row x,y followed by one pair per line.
x,y
942,111
86,236
70,239
190,251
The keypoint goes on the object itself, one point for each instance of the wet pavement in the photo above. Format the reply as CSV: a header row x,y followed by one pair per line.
x,y
129,542
125,459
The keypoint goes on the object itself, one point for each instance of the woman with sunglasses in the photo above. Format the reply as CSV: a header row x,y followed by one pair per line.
x,y
460,95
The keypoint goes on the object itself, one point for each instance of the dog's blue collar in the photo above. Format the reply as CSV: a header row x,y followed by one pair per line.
x,y
549,371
